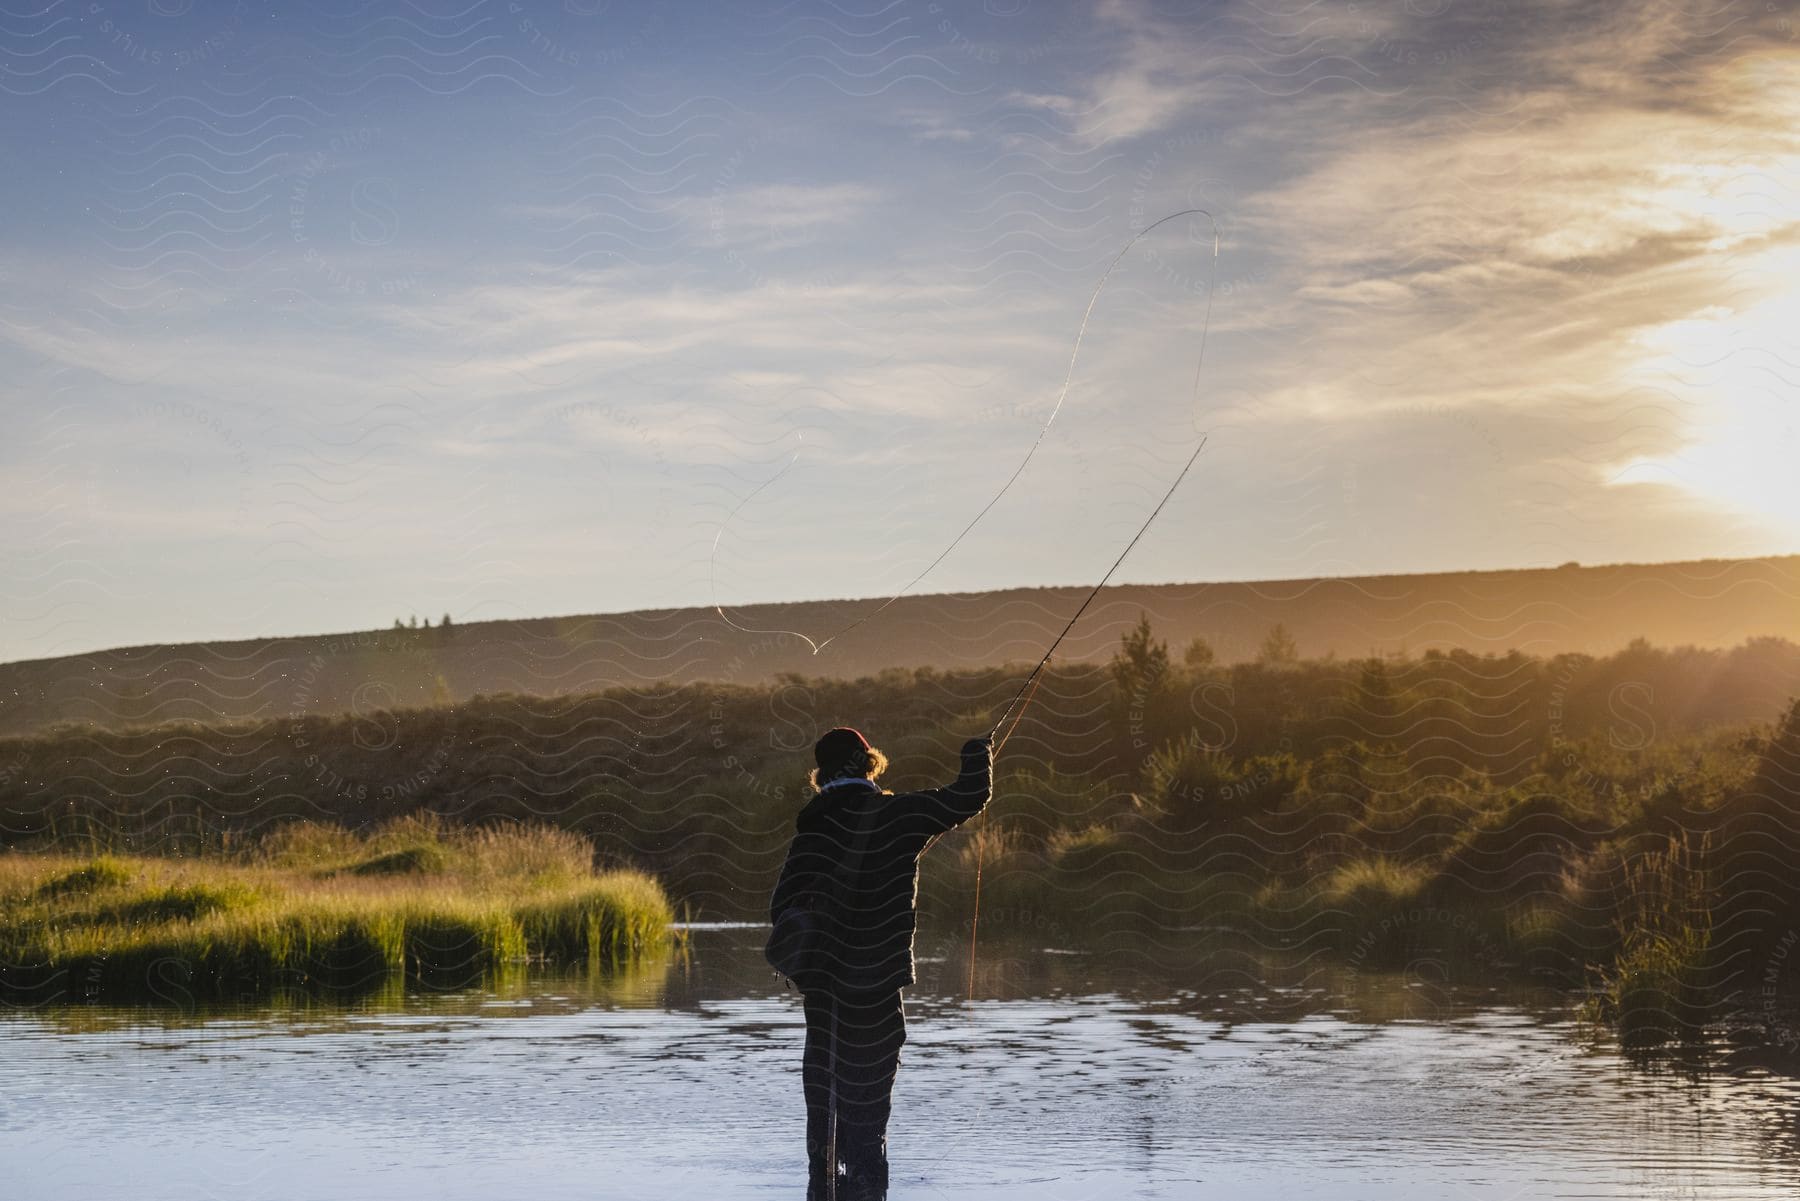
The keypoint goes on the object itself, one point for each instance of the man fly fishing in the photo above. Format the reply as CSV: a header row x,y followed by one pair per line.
x,y
844,916
844,913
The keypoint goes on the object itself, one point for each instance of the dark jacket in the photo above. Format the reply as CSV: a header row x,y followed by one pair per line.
x,y
866,935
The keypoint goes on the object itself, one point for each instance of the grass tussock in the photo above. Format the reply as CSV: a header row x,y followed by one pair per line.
x,y
176,903
1658,987
1376,882
425,845
423,860
1087,849
99,873
318,909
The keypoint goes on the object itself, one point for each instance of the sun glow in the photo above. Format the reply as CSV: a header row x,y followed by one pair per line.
x,y
1735,377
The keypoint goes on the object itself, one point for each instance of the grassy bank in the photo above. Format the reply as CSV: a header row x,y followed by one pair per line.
x,y
316,908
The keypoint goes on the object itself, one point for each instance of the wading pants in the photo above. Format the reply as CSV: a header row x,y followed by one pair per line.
x,y
869,1031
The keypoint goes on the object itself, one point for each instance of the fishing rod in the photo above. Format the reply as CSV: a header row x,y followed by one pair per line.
x,y
1022,699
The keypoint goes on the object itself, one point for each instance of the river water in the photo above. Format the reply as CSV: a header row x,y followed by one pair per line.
x,y
1069,1076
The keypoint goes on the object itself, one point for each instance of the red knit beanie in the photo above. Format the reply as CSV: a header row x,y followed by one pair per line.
x,y
838,747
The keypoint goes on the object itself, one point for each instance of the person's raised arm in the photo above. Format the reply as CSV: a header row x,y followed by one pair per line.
x,y
941,809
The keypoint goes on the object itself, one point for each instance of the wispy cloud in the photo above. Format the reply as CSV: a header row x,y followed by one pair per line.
x,y
1529,258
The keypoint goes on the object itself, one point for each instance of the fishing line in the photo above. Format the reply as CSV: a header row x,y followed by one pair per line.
x,y
831,1138
1061,396
713,559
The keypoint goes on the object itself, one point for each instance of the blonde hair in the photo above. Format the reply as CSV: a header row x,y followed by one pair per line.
x,y
866,765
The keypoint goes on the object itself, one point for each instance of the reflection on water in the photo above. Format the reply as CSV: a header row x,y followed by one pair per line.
x,y
1071,1076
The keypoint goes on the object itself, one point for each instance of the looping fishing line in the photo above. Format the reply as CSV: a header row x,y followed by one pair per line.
x,y
1061,396
713,559
1030,686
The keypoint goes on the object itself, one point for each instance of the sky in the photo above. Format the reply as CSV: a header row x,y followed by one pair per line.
x,y
314,316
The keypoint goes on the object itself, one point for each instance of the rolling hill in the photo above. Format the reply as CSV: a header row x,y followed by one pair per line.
x,y
1595,610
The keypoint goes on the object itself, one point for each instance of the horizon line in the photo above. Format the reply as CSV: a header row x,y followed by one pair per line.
x,y
1567,565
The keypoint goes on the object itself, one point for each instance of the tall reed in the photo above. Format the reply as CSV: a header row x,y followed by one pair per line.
x,y
1659,985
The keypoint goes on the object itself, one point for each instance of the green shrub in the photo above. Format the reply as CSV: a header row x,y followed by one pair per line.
x,y
1194,786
